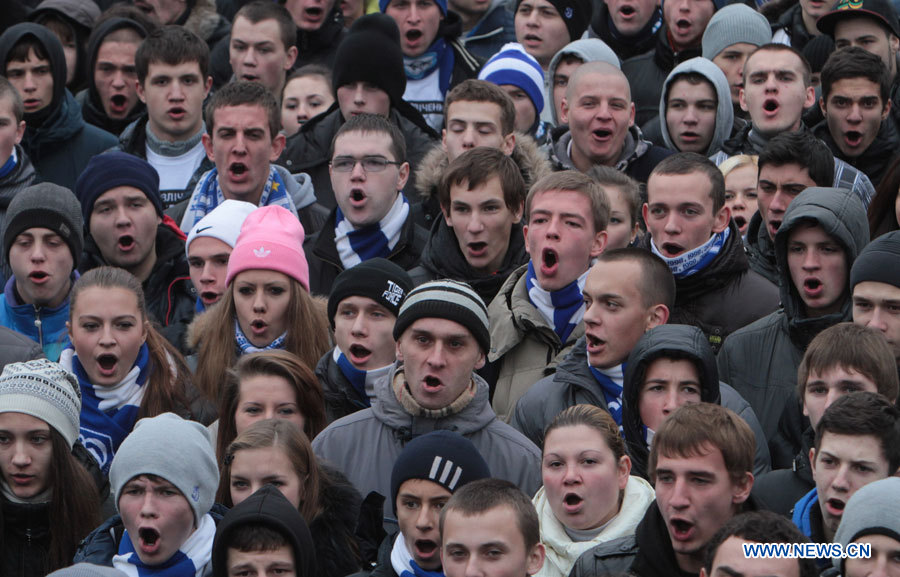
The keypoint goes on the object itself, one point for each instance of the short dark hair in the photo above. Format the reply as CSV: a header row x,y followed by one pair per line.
x,y
374,123
682,163
260,10
244,93
854,62
256,537
477,166
853,347
19,51
693,427
7,90
692,78
311,70
802,148
864,414
473,90
657,281
171,45
776,47
759,527
484,495
607,176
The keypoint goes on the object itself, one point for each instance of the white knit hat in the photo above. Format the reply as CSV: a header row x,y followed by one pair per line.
x,y
45,390
223,223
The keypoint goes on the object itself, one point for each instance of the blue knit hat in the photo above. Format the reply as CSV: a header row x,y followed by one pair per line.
x,y
443,457
113,169
442,4
512,65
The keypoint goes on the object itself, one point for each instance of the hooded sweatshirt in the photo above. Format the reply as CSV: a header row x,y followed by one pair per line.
x,y
724,110
589,50
80,16
56,139
761,359
270,508
92,107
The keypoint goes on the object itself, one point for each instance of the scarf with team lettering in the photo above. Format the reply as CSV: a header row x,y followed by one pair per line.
x,y
693,261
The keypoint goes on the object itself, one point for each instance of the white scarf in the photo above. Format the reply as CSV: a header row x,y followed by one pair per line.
x,y
193,558
355,245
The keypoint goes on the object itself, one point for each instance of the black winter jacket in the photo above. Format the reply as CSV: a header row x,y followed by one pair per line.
x,y
625,47
761,250
875,160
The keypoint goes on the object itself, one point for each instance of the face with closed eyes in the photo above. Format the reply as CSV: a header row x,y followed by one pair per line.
x,y
266,397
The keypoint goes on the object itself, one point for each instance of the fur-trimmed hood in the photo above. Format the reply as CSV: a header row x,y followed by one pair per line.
x,y
203,20
527,155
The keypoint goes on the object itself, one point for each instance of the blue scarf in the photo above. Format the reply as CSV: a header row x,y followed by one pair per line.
x,y
207,196
803,512
439,55
693,261
193,558
108,413
356,376
355,245
563,308
247,347
199,307
10,164
612,386
403,564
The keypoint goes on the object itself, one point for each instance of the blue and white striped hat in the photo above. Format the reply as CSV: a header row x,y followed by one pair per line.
x,y
512,65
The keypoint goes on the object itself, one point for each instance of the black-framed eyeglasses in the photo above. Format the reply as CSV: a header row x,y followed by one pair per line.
x,y
369,163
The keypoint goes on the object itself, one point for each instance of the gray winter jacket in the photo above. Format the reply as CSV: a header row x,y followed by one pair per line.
x,y
573,384
17,348
761,359
724,110
364,445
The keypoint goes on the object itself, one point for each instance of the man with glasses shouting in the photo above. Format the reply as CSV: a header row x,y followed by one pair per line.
x,y
368,170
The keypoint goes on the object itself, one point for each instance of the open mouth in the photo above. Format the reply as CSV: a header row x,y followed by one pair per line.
x,y
572,500
812,283
853,138
432,382
835,506
38,275
118,101
594,341
314,12
532,38
740,221
671,249
177,112
683,25
549,260
107,362
688,135
426,547
681,530
32,103
359,352
237,168
209,297
126,242
770,105
357,195
249,77
258,325
602,133
477,248
413,35
627,10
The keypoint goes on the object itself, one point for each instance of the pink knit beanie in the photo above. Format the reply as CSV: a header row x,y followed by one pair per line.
x,y
271,239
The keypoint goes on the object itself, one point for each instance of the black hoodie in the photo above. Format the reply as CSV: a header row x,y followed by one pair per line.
x,y
92,107
270,508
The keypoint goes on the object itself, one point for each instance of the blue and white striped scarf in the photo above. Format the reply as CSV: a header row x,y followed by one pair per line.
x,y
362,381
247,347
403,564
563,308
10,163
355,245
612,382
207,196
693,261
193,558
108,413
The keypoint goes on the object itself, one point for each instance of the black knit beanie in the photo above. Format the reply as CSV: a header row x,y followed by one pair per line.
x,y
443,457
446,299
378,279
371,53
113,169
575,13
46,205
878,261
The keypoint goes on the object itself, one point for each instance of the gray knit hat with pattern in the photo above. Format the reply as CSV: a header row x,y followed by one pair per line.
x,y
446,299
45,390
734,24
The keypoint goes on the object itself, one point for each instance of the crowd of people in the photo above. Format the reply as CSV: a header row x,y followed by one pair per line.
x,y
449,288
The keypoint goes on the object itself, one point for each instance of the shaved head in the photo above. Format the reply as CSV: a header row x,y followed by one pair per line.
x,y
598,69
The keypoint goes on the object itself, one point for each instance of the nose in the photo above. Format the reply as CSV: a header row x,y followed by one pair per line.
x,y
425,518
437,357
177,91
358,173
106,336
148,504
841,482
359,325
670,403
673,223
690,115
780,202
118,79
414,15
20,456
122,218
811,260
855,115
739,202
269,413
28,83
249,57
771,85
878,320
475,224
679,498
303,112
553,226
533,19
206,275
259,302
37,252
572,475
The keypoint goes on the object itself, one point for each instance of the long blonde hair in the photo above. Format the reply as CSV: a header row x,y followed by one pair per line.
x,y
307,336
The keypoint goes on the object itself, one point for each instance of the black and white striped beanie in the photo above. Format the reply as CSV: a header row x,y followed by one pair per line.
x,y
446,299
443,457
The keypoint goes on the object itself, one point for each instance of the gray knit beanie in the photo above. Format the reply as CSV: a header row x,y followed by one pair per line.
x,y
446,299
46,205
174,449
733,24
872,510
45,390
87,570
